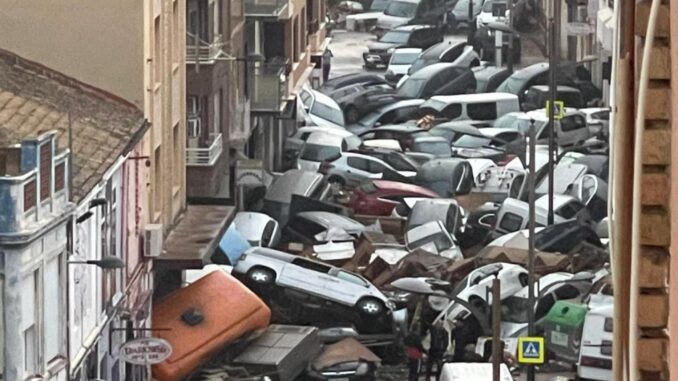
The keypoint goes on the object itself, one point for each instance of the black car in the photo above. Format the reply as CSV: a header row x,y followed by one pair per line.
x,y
489,77
412,36
343,81
568,74
484,44
445,52
438,79
537,96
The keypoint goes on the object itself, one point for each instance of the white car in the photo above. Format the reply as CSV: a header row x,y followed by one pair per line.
x,y
400,63
318,109
352,169
294,142
321,147
266,268
434,238
493,11
257,228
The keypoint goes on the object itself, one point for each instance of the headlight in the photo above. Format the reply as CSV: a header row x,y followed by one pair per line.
x,y
390,50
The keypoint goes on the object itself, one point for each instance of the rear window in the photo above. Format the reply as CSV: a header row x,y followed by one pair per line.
x,y
609,325
511,222
606,348
315,152
572,123
482,111
368,187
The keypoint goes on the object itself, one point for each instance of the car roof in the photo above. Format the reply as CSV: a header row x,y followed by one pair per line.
x,y
294,181
398,186
487,71
325,139
323,98
530,71
407,50
430,70
399,104
545,88
475,98
438,49
409,28
332,220
492,131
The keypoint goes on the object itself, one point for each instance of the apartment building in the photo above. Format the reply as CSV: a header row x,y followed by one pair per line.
x,y
288,38
217,97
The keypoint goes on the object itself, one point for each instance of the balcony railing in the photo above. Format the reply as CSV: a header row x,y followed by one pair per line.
x,y
206,156
201,51
269,86
264,8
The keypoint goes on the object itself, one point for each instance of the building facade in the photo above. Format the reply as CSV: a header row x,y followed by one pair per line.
x,y
34,214
217,98
288,38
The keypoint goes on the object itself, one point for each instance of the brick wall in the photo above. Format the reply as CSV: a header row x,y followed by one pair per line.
x,y
653,304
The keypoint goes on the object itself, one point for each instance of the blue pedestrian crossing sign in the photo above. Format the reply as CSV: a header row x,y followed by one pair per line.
x,y
531,350
559,109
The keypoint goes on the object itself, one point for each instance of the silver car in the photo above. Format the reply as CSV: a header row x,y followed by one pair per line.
x,y
267,267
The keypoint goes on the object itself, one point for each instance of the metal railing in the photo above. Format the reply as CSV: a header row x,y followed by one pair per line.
x,y
199,50
205,156
264,7
268,86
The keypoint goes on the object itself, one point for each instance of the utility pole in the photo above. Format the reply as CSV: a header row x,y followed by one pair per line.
x,y
509,59
530,256
497,350
554,48
471,24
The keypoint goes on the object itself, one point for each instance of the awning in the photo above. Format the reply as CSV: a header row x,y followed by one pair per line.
x,y
195,237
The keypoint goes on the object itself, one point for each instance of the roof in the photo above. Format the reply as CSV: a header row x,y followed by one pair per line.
x,y
325,139
438,49
430,70
407,50
531,70
475,98
410,188
409,28
35,99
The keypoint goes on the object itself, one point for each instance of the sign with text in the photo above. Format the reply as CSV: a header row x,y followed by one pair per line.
x,y
146,351
531,350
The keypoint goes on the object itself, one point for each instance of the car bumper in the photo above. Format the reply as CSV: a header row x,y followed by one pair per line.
x,y
376,59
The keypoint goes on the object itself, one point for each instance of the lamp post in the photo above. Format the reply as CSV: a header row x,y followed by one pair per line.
x,y
553,93
531,242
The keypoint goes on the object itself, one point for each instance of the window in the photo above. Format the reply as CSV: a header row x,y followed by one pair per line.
x,y
29,299
311,265
29,195
511,222
358,163
452,111
609,325
572,123
295,40
368,187
157,181
375,167
60,177
52,310
157,50
388,118
304,136
343,275
45,170
218,113
319,153
570,210
176,53
482,111
267,234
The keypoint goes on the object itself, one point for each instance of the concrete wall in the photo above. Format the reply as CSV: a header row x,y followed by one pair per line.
x,y
94,41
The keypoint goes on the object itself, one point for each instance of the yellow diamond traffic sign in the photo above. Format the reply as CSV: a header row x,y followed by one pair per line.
x,y
559,112
531,350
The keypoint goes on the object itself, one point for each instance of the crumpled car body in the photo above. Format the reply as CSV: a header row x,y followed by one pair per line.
x,y
432,237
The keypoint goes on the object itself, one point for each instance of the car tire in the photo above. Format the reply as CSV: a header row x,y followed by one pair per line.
x,y
261,276
336,180
370,306
351,114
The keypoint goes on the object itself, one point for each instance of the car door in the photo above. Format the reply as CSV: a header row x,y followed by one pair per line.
x,y
345,287
305,275
357,169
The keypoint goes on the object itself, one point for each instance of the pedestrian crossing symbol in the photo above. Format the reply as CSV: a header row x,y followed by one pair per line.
x,y
559,109
531,350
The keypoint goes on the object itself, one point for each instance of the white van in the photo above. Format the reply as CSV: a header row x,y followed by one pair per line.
x,y
595,354
483,107
571,130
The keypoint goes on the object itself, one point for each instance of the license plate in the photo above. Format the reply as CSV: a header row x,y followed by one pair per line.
x,y
559,338
373,58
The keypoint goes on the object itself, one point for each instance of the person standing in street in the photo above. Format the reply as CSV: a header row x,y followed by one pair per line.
x,y
440,339
414,351
327,64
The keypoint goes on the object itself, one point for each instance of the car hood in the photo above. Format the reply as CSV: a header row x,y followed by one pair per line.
x,y
390,22
314,120
377,46
365,16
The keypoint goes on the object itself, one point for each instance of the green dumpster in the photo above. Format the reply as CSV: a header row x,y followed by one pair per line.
x,y
562,330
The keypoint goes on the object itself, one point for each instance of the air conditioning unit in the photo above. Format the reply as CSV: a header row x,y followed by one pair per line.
x,y
153,240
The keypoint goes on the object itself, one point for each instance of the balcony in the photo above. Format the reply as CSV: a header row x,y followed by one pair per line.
x,y
199,51
265,8
269,87
205,156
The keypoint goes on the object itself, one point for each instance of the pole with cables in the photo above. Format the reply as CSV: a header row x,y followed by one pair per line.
x,y
531,245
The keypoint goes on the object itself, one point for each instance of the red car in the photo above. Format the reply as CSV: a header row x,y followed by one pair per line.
x,y
380,197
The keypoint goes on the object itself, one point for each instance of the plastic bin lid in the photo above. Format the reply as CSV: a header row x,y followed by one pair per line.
x,y
567,314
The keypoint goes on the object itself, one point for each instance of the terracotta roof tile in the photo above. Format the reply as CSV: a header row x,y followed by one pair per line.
x,y
102,126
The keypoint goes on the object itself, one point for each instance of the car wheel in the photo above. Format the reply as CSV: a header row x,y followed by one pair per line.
x,y
261,276
370,306
351,114
336,180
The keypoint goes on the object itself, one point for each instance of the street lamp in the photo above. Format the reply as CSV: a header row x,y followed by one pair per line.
x,y
107,262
